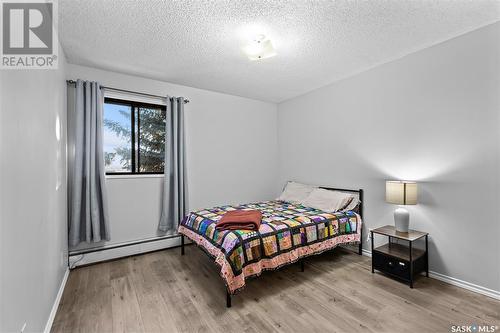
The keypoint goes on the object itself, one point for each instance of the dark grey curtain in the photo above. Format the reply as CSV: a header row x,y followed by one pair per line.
x,y
174,200
88,207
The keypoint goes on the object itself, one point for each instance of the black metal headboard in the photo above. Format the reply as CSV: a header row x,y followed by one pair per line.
x,y
359,208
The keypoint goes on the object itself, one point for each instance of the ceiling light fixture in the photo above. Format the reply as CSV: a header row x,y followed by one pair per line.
x,y
259,48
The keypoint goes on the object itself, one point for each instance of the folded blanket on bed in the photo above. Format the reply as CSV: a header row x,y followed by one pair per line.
x,y
240,220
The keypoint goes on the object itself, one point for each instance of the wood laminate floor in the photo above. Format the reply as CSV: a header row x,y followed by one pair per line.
x,y
164,292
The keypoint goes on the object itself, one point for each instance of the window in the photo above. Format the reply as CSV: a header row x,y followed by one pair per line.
x,y
134,137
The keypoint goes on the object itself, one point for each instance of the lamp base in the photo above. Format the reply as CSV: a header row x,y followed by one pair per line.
x,y
401,219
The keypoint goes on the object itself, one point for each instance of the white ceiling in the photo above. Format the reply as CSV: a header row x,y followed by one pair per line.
x,y
198,43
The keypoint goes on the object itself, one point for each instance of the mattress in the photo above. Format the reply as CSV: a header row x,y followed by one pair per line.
x,y
287,233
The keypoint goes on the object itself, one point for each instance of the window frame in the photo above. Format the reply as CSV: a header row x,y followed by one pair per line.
x,y
135,105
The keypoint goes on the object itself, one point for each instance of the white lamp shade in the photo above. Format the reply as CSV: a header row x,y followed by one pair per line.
x,y
401,192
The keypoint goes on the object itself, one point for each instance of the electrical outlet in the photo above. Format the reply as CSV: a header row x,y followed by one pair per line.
x,y
23,328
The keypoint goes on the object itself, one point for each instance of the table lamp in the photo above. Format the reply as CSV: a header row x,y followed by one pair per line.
x,y
401,193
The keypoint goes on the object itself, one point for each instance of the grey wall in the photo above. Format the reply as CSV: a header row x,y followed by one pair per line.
x,y
432,116
33,195
232,154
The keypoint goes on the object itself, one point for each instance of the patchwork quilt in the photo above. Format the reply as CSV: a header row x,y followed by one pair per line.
x,y
287,233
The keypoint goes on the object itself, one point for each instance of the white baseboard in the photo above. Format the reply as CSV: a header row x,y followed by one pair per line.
x,y
367,253
55,306
466,285
457,282
125,251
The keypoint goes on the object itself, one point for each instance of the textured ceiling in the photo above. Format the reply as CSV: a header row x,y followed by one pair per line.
x,y
198,43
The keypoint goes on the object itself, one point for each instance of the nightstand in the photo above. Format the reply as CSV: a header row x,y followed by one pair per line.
x,y
402,261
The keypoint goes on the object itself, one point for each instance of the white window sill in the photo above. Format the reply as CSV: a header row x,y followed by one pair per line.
x,y
132,176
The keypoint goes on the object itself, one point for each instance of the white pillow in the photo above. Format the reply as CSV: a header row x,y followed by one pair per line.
x,y
352,205
296,192
326,200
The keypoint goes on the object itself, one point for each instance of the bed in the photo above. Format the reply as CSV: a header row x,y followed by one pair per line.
x,y
288,233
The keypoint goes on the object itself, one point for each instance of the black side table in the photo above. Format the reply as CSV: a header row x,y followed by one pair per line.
x,y
400,260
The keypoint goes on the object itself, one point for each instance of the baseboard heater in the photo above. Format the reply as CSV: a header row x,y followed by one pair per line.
x,y
124,249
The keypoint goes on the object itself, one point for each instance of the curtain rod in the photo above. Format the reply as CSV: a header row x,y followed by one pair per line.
x,y
127,91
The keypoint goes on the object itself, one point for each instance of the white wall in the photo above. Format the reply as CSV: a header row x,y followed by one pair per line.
x,y
432,116
231,153
33,207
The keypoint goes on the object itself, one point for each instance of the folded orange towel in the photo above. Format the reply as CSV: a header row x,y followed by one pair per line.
x,y
240,220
